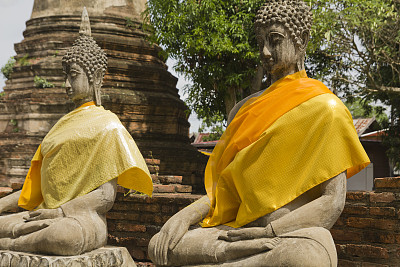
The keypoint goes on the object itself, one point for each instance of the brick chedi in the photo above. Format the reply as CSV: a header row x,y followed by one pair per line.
x,y
137,86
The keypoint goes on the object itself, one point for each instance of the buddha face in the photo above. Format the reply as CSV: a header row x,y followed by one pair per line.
x,y
77,84
278,52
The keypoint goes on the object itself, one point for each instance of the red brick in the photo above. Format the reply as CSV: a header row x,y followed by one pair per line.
x,y
389,182
340,250
379,237
161,188
383,211
183,188
339,222
385,197
384,224
345,235
121,206
128,227
369,264
155,179
359,210
153,169
346,263
169,209
137,253
170,179
122,216
358,222
152,161
357,196
155,208
4,191
367,251
16,183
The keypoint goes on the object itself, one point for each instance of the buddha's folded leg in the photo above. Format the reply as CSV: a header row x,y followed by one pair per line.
x,y
306,247
62,237
203,246
8,222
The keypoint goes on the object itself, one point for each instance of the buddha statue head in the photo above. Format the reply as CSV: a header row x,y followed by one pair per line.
x,y
283,31
84,65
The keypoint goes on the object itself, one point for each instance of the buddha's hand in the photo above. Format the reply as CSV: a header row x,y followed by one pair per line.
x,y
30,227
171,233
247,233
44,214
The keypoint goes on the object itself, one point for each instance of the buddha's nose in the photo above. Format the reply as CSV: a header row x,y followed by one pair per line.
x,y
67,84
266,52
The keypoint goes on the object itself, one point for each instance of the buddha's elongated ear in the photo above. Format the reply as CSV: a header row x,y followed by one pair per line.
x,y
97,82
305,38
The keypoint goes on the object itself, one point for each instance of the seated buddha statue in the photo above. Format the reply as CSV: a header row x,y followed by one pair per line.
x,y
72,181
276,180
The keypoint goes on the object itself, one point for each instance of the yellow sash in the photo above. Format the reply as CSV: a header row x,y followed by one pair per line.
x,y
294,136
85,149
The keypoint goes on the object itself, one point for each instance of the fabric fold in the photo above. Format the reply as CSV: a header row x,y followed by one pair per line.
x,y
85,149
293,137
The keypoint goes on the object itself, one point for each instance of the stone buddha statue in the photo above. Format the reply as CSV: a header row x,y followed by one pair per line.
x,y
276,180
72,181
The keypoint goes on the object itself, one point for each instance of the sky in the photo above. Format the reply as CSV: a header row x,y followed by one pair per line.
x,y
14,14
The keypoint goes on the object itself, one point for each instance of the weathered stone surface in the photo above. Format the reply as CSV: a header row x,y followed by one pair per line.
x,y
107,256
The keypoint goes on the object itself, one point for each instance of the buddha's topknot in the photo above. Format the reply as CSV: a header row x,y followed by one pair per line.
x,y
294,15
88,55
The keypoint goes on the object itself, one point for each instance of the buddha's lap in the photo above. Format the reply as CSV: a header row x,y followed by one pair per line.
x,y
205,241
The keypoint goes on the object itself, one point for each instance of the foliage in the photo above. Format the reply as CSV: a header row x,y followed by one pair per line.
x,y
2,94
7,69
129,23
363,109
42,82
215,126
24,61
213,43
14,123
354,49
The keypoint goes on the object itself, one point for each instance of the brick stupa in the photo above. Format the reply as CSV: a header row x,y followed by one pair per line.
x,y
137,87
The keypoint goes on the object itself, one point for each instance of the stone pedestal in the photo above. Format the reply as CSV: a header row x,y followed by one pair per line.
x,y
107,256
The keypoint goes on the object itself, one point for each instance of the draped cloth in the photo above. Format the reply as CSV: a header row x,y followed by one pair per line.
x,y
293,137
85,149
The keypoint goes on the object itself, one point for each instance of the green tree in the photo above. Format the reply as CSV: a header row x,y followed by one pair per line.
x,y
214,45
355,50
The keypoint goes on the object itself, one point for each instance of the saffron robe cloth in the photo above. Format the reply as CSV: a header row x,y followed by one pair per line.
x,y
293,137
85,149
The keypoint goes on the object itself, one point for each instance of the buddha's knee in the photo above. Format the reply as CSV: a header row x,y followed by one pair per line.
x,y
65,238
151,248
305,251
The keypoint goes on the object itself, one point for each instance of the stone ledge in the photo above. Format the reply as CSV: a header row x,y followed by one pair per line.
x,y
106,256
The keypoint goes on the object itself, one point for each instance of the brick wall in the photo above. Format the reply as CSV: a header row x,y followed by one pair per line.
x,y
367,233
134,219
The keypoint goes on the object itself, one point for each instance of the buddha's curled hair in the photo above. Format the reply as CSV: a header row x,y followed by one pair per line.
x,y
87,54
294,15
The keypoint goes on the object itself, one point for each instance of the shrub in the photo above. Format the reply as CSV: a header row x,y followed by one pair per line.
x,y
7,69
42,83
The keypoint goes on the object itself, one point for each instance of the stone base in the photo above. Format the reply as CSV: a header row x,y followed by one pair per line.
x,y
106,256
